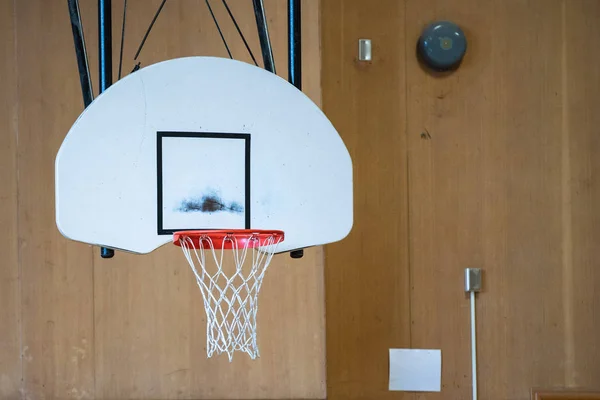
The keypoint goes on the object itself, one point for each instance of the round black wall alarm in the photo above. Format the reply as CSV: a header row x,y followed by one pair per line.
x,y
442,46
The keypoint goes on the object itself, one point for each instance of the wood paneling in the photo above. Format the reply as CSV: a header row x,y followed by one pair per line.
x,y
485,191
581,180
501,176
564,395
367,282
10,310
57,287
495,187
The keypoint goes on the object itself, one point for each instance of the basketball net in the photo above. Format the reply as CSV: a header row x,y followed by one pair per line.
x,y
230,289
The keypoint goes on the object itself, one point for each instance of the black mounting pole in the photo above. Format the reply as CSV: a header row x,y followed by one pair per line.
x,y
105,43
295,43
105,64
295,61
263,35
80,52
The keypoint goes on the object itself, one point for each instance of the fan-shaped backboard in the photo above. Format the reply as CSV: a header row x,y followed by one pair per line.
x,y
202,143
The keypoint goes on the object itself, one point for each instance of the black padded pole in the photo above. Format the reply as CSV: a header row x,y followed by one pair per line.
x,y
295,61
105,43
105,65
295,43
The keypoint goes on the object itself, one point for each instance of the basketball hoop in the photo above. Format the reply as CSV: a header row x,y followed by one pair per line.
x,y
229,288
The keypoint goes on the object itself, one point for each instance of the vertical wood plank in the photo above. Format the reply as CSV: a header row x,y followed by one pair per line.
x,y
485,191
366,275
10,295
57,290
581,181
150,321
445,117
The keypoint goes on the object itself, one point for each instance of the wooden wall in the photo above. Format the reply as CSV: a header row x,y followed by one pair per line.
x,y
494,166
10,288
73,325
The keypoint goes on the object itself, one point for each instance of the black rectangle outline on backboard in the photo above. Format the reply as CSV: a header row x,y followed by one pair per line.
x,y
159,174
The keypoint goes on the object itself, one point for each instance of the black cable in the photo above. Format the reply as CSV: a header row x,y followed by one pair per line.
x,y
240,32
122,37
149,29
218,28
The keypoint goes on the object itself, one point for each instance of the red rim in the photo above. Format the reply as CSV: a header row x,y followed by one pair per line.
x,y
223,238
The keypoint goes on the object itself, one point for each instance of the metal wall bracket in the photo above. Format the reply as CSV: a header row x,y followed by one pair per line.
x,y
472,279
364,49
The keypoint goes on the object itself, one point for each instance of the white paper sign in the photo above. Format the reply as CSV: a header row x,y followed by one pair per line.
x,y
418,370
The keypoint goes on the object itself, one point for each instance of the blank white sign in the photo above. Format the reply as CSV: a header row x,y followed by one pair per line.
x,y
418,370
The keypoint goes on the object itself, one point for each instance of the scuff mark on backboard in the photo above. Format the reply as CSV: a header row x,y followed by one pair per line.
x,y
209,203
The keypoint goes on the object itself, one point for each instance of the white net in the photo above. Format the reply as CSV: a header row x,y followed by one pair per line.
x,y
230,278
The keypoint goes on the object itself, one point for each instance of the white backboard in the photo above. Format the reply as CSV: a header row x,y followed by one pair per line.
x,y
202,143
